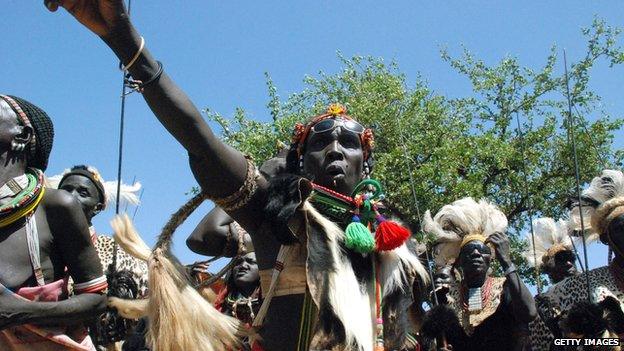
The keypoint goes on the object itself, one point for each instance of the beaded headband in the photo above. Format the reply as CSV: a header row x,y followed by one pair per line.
x,y
92,174
302,131
23,119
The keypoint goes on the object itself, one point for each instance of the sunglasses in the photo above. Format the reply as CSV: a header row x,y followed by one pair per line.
x,y
332,123
482,248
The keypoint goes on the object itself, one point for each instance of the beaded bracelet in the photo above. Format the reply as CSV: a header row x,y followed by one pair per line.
x,y
242,196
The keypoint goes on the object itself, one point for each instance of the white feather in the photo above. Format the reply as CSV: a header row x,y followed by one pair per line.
x,y
547,234
609,185
460,218
127,193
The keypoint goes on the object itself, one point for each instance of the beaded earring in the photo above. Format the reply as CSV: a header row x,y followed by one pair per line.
x,y
17,147
301,163
366,171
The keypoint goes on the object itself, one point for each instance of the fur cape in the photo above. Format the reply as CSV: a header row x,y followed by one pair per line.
x,y
341,282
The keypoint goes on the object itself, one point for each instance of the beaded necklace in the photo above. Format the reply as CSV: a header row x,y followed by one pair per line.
x,y
362,208
484,294
250,303
26,201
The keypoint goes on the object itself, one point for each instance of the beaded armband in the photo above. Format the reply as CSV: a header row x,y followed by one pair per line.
x,y
242,196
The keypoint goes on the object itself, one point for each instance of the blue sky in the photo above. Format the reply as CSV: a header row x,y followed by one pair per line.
x,y
218,52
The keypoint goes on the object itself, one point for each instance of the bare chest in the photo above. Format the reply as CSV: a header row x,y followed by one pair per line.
x,y
15,259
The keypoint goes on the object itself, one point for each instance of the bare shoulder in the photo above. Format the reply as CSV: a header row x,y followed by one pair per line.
x,y
59,200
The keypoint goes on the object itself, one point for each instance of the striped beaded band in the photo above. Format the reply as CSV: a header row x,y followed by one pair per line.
x,y
22,118
92,286
26,201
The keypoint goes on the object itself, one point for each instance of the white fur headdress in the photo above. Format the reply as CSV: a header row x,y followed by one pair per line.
x,y
550,237
602,201
128,193
460,221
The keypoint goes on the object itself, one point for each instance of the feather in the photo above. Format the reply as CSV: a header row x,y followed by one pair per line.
x,y
53,181
548,233
608,186
460,218
127,193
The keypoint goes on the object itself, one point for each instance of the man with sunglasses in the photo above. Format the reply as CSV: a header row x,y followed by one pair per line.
x,y
483,312
304,265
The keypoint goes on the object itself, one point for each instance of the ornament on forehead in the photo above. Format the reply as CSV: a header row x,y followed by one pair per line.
x,y
106,189
336,112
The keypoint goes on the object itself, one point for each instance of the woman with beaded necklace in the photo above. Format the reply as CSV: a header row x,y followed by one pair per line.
x,y
44,237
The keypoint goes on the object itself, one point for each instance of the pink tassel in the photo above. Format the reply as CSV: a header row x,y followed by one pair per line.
x,y
389,234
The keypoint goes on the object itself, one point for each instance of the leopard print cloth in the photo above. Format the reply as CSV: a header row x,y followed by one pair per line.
x,y
563,295
105,246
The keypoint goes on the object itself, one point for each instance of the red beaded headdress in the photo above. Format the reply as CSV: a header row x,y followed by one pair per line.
x,y
301,131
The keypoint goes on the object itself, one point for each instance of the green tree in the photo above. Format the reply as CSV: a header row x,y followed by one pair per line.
x,y
462,147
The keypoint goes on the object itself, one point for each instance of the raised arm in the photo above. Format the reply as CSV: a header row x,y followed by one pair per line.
x,y
217,234
520,297
218,168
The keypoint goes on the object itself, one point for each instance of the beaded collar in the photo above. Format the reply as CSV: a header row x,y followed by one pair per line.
x,y
25,201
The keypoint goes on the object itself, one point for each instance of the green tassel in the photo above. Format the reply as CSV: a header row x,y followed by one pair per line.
x,y
358,237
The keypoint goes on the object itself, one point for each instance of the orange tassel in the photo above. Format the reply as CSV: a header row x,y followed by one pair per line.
x,y
389,234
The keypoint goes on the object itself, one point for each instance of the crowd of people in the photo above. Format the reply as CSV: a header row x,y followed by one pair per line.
x,y
317,261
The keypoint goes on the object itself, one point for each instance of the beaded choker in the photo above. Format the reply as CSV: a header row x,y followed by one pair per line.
x,y
26,201
362,208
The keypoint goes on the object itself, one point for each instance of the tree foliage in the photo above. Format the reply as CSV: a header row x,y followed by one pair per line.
x,y
444,149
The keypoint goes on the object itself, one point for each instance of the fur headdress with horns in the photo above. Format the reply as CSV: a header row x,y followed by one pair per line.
x,y
551,237
107,189
460,222
602,201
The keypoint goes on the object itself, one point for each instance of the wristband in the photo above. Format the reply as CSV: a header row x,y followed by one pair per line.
x,y
510,269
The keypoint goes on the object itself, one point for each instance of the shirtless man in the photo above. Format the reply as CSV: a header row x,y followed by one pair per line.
x,y
333,151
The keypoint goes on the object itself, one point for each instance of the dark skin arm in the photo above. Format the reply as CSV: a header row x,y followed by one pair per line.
x,y
15,311
212,234
520,298
71,234
218,168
